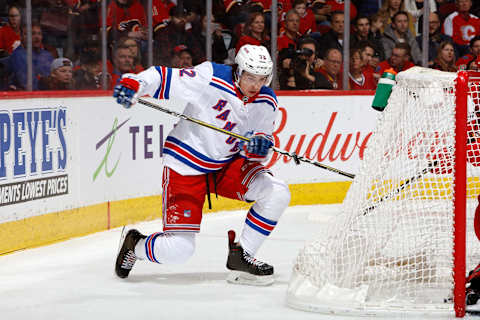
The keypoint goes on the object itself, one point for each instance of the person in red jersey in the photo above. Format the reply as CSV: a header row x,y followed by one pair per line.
x,y
307,18
160,12
290,34
126,18
464,62
367,52
10,33
339,5
287,44
358,79
255,32
462,26
399,61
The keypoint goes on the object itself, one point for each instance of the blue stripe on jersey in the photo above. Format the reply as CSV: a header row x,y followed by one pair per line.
x,y
268,91
167,85
161,80
218,86
265,101
195,152
186,161
223,72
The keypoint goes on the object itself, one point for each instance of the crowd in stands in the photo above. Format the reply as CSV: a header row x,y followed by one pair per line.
x,y
66,47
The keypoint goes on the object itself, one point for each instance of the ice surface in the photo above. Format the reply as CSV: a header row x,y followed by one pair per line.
x,y
75,279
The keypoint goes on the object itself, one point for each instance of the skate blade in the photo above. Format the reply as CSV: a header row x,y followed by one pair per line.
x,y
244,278
122,239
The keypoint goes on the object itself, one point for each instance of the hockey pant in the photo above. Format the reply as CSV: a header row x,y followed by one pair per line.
x,y
183,199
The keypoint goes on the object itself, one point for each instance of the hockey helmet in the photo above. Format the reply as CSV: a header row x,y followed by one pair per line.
x,y
255,60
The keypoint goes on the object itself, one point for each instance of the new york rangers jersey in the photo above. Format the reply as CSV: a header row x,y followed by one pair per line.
x,y
211,96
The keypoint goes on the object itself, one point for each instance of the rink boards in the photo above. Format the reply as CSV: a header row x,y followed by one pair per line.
x,y
75,165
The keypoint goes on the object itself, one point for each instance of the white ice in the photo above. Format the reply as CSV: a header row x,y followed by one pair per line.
x,y
75,279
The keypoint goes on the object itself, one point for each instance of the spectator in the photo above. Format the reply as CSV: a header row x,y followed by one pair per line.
x,y
445,60
367,52
474,65
415,9
161,12
88,75
88,45
41,60
359,79
182,57
362,32
321,12
399,61
60,78
85,18
254,32
55,22
307,18
463,62
339,5
368,7
197,39
289,36
132,45
376,25
126,18
330,73
398,33
10,32
174,34
334,37
435,37
286,47
123,61
304,65
462,26
389,9
235,13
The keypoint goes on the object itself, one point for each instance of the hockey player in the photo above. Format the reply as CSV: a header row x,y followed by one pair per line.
x,y
199,160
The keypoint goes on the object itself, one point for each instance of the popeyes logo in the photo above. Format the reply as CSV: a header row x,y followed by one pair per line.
x,y
319,147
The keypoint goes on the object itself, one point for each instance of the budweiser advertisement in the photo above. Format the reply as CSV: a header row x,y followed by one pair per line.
x,y
333,130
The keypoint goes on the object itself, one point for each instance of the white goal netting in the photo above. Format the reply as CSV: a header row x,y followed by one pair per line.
x,y
391,246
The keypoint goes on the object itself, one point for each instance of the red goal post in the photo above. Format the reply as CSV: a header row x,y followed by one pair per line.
x,y
407,221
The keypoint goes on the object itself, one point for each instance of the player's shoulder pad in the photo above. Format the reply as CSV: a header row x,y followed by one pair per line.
x,y
222,72
267,95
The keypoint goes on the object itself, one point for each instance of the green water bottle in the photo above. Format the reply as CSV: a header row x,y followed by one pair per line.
x,y
384,89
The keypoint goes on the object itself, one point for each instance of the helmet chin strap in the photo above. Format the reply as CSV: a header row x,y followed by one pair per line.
x,y
237,85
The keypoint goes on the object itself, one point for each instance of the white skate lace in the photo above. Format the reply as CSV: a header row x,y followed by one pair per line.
x,y
129,260
252,260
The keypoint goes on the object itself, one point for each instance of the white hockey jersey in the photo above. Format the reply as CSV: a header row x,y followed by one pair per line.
x,y
212,97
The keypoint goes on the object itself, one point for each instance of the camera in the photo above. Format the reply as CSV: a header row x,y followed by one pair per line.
x,y
304,52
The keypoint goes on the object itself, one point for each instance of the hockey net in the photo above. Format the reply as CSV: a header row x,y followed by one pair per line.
x,y
400,234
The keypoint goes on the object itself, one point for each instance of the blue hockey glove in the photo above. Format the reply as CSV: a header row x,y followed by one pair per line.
x,y
259,145
125,92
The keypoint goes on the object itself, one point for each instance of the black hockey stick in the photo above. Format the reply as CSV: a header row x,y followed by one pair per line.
x,y
292,155
402,186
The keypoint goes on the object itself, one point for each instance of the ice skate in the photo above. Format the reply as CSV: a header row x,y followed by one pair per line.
x,y
126,253
245,269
